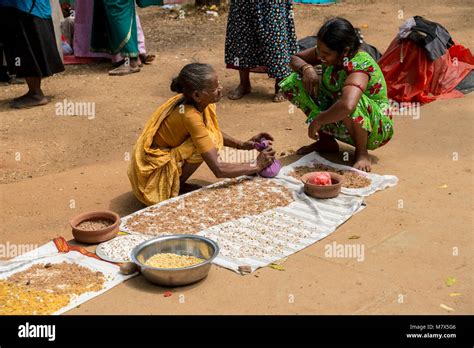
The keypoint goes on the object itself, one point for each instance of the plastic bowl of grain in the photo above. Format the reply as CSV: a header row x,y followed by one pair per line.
x,y
323,191
175,260
95,226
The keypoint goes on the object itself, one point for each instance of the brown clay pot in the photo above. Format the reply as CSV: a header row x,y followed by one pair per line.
x,y
321,191
98,236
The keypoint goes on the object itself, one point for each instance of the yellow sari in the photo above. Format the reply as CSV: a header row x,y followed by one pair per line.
x,y
154,172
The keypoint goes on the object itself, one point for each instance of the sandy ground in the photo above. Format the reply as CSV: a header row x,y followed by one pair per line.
x,y
54,167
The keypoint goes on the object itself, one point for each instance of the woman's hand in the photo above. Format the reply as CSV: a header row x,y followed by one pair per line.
x,y
311,81
265,158
250,144
313,129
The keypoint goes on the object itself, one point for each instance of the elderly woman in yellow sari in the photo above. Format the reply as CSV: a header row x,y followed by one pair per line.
x,y
184,132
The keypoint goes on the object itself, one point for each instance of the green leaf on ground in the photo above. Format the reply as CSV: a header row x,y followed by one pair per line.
x,y
450,281
277,267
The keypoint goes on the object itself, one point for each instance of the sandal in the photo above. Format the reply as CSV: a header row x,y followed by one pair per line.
x,y
124,70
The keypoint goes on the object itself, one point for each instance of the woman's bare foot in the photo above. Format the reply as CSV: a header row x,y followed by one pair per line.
x,y
239,91
325,144
27,94
304,150
279,97
362,162
29,101
147,58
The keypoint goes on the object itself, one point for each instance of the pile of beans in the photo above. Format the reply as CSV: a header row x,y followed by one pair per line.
x,y
120,248
94,225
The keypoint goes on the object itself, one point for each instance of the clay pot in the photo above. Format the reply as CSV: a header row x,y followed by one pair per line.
x,y
321,191
97,236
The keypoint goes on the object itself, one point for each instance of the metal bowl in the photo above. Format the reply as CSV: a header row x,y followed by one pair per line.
x,y
181,244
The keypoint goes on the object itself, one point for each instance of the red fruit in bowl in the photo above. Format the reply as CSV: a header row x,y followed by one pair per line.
x,y
320,178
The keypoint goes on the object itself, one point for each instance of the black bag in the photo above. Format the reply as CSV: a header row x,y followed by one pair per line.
x,y
433,37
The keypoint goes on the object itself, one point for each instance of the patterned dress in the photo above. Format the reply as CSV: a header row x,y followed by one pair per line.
x,y
372,111
261,36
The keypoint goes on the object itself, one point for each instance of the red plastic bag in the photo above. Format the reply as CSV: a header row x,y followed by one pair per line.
x,y
412,77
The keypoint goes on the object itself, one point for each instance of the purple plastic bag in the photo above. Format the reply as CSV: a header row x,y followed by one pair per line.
x,y
273,169
261,145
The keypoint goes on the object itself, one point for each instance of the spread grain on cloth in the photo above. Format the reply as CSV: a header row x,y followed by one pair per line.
x,y
209,207
61,278
16,299
46,288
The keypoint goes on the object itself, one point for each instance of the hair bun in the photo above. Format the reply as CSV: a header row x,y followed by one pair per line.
x,y
176,86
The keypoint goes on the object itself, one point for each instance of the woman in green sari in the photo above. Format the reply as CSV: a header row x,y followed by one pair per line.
x,y
348,102
114,30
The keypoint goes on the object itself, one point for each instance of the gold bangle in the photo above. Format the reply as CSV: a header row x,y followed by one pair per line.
x,y
305,67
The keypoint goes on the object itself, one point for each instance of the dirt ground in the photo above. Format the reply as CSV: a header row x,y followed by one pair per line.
x,y
54,167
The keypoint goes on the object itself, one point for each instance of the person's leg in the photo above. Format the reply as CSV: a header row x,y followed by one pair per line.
x,y
4,76
325,144
140,37
295,93
277,40
279,95
244,87
121,37
186,171
34,97
34,86
359,135
134,62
